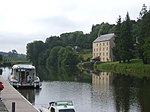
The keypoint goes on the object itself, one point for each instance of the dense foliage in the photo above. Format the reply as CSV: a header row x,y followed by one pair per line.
x,y
132,39
51,53
144,35
64,50
124,40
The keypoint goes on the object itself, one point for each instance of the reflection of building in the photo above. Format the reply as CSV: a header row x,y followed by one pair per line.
x,y
103,78
102,90
102,47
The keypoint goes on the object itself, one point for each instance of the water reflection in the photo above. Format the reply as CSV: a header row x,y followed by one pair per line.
x,y
91,92
121,92
102,96
30,94
101,78
130,93
64,74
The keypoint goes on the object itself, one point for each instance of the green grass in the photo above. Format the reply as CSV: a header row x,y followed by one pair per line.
x,y
135,67
86,56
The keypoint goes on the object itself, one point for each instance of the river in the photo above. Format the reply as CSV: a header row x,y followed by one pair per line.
x,y
97,92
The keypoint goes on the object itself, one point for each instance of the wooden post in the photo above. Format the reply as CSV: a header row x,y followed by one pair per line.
x,y
13,106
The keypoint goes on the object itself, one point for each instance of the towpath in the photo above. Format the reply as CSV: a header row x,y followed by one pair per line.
x,y
10,95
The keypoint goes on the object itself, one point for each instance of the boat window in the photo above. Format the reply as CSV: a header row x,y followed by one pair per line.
x,y
52,110
27,73
66,110
11,71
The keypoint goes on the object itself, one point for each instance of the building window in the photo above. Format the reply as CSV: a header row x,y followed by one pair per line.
x,y
103,49
107,48
107,59
97,49
107,43
97,44
103,43
106,53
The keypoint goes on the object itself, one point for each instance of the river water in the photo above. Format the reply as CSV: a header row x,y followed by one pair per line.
x,y
97,92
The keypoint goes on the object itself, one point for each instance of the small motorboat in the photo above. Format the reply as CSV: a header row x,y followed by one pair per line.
x,y
24,75
59,106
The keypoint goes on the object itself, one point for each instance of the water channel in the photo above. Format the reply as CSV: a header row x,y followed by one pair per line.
x,y
96,92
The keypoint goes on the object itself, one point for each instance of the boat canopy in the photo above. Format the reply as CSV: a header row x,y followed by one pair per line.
x,y
60,103
23,67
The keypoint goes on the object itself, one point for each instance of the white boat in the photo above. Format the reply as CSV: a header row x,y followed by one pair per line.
x,y
59,106
24,75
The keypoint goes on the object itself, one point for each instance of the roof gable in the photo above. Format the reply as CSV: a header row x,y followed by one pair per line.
x,y
104,37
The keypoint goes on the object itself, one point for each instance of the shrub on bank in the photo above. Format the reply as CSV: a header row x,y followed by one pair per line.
x,y
135,67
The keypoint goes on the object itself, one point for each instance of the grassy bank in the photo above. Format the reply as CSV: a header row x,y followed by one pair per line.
x,y
135,67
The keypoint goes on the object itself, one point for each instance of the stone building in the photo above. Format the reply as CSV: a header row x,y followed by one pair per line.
x,y
102,47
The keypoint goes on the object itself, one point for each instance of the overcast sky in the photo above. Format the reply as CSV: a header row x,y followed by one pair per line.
x,y
23,21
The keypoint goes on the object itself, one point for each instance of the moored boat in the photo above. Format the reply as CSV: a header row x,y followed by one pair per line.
x,y
59,106
24,75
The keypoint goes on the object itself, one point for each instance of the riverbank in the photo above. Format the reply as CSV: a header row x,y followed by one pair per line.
x,y
10,95
135,67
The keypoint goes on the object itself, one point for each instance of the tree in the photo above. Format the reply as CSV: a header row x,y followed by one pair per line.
x,y
127,41
144,35
143,11
60,56
124,44
146,52
99,29
33,51
74,38
54,41
1,58
117,41
52,60
71,57
13,53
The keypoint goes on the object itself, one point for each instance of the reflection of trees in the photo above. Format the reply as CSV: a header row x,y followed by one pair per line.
x,y
131,92
122,93
58,74
71,73
144,95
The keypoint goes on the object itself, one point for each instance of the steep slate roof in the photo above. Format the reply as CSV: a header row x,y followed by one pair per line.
x,y
104,37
